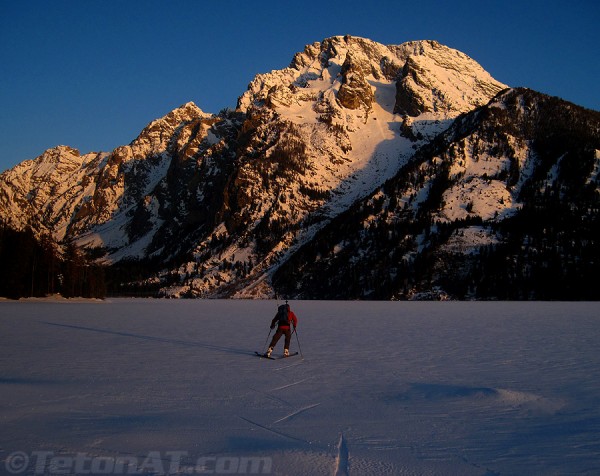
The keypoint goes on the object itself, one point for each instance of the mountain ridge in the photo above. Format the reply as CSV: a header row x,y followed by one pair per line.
x,y
440,243
206,205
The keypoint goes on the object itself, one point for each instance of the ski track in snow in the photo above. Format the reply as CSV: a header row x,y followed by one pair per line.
x,y
272,397
341,466
297,412
290,384
264,427
289,366
399,388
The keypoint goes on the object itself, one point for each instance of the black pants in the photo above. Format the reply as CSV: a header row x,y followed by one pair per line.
x,y
282,332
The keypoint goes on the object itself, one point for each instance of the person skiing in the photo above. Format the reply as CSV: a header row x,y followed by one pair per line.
x,y
283,319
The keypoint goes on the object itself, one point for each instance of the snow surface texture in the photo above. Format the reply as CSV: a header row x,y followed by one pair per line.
x,y
384,387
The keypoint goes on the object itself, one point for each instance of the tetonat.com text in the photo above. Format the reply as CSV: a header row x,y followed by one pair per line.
x,y
155,462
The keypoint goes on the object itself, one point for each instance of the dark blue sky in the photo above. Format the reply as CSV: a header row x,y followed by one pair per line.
x,y
91,74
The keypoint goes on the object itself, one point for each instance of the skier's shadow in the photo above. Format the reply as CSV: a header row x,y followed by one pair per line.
x,y
203,345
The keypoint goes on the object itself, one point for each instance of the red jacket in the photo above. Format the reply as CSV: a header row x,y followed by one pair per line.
x,y
292,318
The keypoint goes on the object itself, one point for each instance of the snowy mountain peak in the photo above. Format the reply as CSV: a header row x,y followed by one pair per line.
x,y
155,137
439,79
393,144
322,68
62,192
429,78
186,112
61,154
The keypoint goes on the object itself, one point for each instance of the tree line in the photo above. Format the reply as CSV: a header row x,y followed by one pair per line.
x,y
37,267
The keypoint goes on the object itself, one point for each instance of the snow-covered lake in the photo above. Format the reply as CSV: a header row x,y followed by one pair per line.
x,y
131,386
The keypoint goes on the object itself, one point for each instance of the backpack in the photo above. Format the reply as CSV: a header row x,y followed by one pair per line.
x,y
282,315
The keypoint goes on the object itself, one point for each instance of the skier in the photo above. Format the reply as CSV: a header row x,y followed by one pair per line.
x,y
283,319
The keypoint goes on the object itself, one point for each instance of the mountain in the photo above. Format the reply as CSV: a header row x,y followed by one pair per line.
x,y
258,201
504,204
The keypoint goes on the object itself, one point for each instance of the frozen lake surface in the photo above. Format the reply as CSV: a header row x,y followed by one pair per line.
x,y
157,386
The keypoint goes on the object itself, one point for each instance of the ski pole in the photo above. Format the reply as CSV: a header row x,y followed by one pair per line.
x,y
298,340
269,335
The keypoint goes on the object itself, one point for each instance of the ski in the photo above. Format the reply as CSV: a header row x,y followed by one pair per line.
x,y
264,355
275,358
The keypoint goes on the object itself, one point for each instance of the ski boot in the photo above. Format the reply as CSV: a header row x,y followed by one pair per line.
x,y
286,353
268,354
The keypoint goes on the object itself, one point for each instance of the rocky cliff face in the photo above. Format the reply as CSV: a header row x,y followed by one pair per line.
x,y
213,205
441,80
46,192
